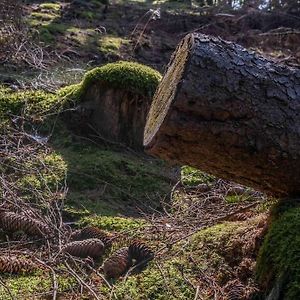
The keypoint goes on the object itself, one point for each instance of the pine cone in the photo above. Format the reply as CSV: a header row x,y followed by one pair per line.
x,y
139,251
12,264
88,248
93,232
117,264
13,222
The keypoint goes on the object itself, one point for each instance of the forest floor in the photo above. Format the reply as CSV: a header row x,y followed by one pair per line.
x,y
205,232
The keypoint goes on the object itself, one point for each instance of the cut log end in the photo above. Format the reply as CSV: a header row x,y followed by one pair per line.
x,y
167,89
229,112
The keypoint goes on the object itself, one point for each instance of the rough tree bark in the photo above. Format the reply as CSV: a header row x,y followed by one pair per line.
x,y
229,112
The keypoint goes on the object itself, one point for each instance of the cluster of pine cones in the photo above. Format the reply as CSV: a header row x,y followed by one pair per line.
x,y
15,265
11,222
92,242
137,255
87,242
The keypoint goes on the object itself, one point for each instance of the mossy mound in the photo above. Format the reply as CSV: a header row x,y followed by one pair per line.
x,y
279,259
131,76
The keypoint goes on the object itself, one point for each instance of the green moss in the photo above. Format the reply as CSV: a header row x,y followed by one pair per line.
x,y
52,171
208,246
46,36
236,198
9,103
42,16
279,255
87,202
108,179
211,252
113,223
23,287
191,176
32,103
74,213
50,6
99,3
38,175
45,14
26,286
111,44
56,28
70,92
49,32
166,283
127,75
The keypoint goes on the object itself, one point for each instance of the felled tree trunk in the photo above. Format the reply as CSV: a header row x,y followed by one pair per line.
x,y
229,112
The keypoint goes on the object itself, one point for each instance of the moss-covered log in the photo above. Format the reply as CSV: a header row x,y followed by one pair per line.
x,y
229,112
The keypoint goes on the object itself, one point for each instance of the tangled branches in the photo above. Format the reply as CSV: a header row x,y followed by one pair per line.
x,y
17,44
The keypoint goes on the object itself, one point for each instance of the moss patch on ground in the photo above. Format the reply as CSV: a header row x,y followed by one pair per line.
x,y
35,286
46,21
50,175
111,44
29,103
50,6
191,176
279,256
107,181
44,14
113,223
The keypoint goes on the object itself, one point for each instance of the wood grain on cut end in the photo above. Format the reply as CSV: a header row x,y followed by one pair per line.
x,y
166,90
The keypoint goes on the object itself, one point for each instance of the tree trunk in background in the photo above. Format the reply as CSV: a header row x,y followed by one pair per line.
x,y
229,112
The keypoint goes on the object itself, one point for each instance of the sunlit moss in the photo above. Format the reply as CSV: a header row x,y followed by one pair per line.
x,y
130,76
191,176
113,223
166,283
31,103
123,74
50,6
111,44
26,286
